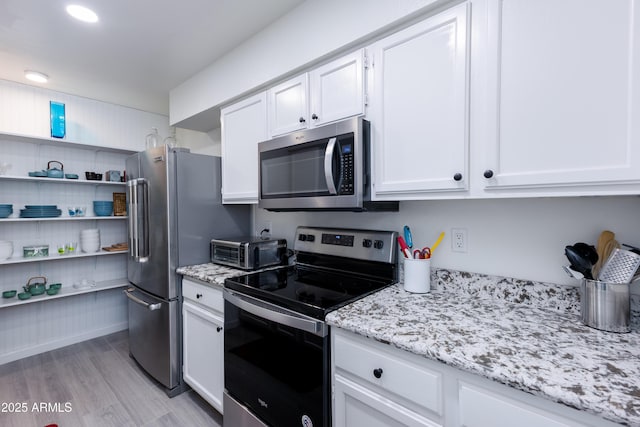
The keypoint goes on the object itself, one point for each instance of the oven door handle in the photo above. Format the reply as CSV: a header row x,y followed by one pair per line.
x,y
275,313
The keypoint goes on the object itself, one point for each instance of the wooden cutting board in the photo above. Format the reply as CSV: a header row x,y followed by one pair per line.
x,y
117,247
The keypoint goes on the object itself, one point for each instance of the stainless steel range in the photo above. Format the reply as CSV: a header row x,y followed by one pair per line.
x,y
276,343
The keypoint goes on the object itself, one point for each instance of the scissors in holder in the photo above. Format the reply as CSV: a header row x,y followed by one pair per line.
x,y
424,253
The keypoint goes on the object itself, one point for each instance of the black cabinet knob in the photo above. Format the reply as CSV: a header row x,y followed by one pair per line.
x,y
198,296
301,120
488,173
457,177
377,372
314,116
219,328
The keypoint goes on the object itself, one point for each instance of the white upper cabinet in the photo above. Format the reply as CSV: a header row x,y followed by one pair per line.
x,y
337,89
419,108
562,98
288,107
243,126
328,93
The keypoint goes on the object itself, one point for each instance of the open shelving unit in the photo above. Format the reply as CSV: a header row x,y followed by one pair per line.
x,y
66,290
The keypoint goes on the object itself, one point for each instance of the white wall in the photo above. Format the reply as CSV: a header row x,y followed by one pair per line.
x,y
24,109
521,238
308,33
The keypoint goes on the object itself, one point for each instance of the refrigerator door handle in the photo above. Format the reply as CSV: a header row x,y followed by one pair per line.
x,y
138,227
150,307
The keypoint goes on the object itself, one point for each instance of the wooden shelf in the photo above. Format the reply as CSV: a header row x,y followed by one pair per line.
x,y
59,180
61,143
67,290
56,257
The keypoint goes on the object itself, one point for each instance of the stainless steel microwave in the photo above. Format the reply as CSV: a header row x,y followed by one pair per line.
x,y
324,168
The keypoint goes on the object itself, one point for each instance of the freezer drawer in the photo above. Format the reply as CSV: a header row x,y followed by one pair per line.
x,y
154,336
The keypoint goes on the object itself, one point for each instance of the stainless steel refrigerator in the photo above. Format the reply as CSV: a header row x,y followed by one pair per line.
x,y
175,209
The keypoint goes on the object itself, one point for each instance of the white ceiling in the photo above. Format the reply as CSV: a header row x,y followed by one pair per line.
x,y
136,53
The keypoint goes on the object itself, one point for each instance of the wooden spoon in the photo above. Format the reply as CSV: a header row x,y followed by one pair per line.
x,y
606,244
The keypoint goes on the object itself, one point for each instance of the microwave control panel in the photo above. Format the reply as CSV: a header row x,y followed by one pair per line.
x,y
347,168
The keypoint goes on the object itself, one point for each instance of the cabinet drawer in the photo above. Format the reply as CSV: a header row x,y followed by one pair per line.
x,y
482,408
397,374
208,296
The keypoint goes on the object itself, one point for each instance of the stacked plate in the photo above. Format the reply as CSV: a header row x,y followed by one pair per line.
x,y
40,211
6,249
5,210
90,240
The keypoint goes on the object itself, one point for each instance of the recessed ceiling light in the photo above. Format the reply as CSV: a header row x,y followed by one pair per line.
x,y
36,76
82,13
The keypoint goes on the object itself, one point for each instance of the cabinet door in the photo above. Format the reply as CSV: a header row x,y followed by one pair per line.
x,y
203,346
357,406
244,124
419,108
563,92
288,107
337,89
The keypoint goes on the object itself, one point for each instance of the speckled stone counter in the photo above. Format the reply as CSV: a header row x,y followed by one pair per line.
x,y
523,334
210,273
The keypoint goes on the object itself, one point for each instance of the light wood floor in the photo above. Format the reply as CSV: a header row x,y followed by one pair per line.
x,y
99,384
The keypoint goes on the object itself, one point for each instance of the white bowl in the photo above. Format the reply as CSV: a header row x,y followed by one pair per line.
x,y
89,249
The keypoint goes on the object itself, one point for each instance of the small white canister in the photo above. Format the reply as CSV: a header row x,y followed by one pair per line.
x,y
417,275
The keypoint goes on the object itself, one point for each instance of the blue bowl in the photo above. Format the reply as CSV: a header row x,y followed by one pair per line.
x,y
103,208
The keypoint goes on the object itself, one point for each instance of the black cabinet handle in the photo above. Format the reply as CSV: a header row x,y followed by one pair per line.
x,y
198,296
457,177
314,116
301,120
219,328
377,372
488,173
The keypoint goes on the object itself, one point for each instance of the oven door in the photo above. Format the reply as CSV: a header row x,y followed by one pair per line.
x,y
277,363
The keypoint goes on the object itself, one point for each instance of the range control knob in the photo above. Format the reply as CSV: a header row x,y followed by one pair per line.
x,y
366,243
378,244
311,238
302,237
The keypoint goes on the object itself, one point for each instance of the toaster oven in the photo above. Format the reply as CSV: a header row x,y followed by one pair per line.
x,y
249,253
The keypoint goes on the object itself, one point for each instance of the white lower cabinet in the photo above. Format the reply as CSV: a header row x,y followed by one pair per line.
x,y
480,407
378,385
203,341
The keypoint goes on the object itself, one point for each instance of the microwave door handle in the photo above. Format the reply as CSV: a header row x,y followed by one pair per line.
x,y
328,166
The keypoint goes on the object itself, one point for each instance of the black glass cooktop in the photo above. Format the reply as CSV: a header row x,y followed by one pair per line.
x,y
306,290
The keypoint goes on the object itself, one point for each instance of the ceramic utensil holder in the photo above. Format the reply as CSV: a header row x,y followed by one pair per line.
x,y
417,275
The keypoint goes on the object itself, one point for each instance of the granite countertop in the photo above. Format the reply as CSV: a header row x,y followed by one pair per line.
x,y
210,273
523,334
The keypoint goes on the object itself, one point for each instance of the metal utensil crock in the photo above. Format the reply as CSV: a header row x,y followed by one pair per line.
x,y
605,305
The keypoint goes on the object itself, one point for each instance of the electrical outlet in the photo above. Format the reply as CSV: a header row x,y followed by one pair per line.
x,y
264,229
459,239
